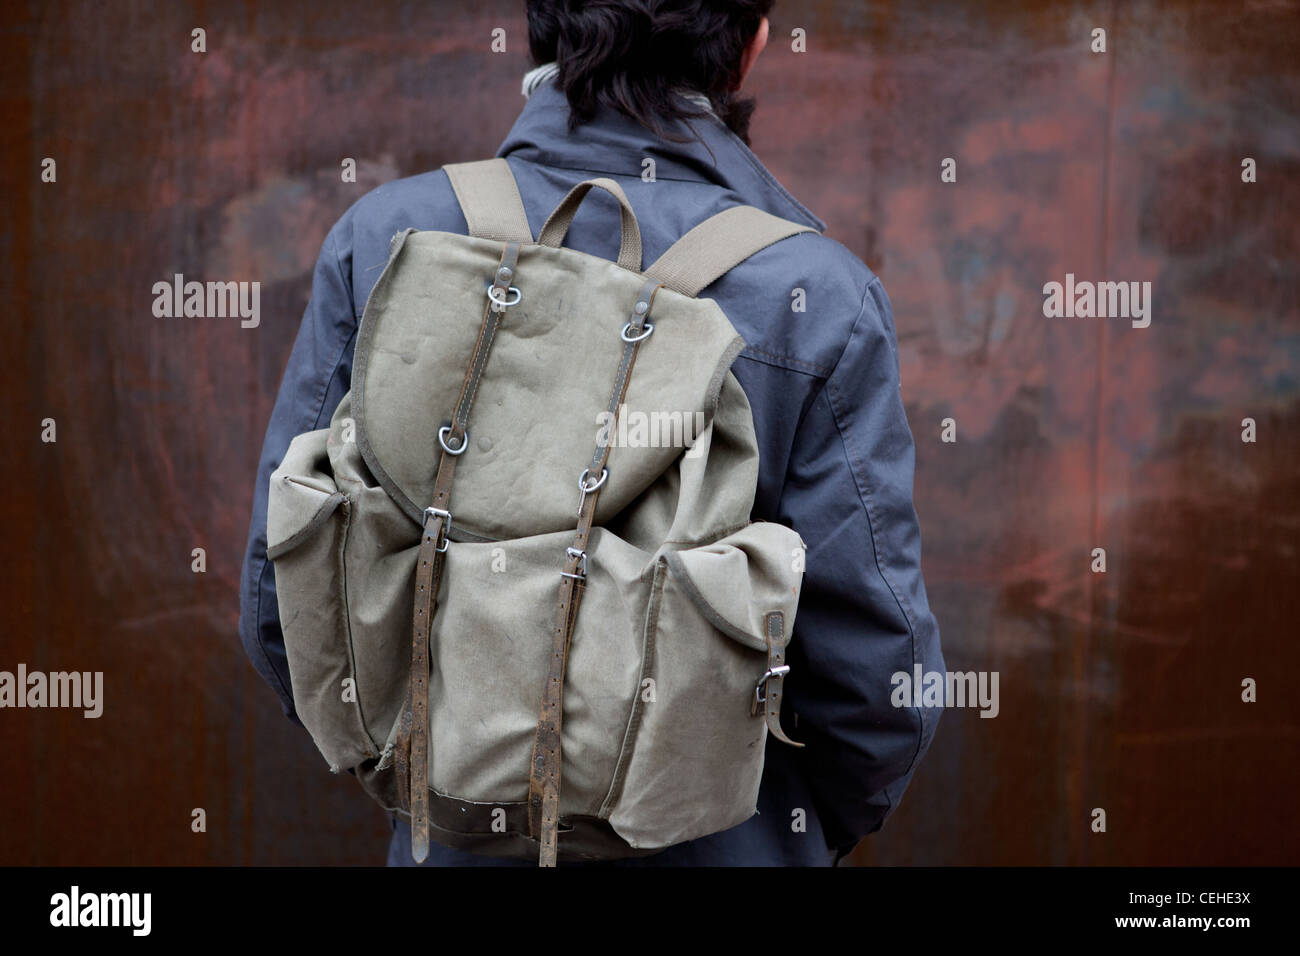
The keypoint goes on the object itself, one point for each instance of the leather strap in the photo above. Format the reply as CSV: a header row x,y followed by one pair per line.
x,y
489,198
557,224
767,693
412,748
544,766
717,244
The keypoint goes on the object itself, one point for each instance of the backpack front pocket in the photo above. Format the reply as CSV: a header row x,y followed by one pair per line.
x,y
489,651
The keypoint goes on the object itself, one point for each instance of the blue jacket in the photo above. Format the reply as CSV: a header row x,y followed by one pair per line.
x,y
836,454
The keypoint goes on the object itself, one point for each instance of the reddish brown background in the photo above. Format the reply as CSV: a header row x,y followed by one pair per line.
x,y
1119,691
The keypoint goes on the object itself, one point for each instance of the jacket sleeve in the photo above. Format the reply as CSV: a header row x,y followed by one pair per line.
x,y
863,612
318,375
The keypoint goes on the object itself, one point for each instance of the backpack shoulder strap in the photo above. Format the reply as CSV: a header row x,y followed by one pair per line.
x,y
717,244
489,198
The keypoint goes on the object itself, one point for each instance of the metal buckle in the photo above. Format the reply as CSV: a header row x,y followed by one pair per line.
x,y
760,689
446,526
645,334
588,489
582,564
442,440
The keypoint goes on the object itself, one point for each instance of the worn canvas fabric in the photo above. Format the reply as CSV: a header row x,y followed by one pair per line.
x,y
684,600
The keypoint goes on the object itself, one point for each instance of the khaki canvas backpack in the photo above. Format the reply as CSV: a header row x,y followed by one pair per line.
x,y
589,601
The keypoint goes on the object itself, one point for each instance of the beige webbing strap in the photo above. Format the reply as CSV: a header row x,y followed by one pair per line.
x,y
489,198
717,244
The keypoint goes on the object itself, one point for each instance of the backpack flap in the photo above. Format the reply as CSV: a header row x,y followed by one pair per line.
x,y
738,581
303,495
543,393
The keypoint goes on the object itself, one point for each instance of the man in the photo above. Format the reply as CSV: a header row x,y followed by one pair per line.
x,y
623,82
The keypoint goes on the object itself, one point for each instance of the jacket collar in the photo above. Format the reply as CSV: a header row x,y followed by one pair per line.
x,y
615,145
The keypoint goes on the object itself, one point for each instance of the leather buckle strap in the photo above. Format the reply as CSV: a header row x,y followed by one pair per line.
x,y
544,766
415,722
411,759
767,692
454,437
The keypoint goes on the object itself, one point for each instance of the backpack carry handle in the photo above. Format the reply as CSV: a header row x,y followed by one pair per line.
x,y
557,226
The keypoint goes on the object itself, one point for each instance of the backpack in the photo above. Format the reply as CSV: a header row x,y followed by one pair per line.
x,y
588,603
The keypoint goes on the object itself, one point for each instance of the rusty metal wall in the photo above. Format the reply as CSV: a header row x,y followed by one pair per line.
x,y
1119,690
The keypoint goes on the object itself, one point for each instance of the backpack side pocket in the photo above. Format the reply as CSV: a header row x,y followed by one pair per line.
x,y
307,529
697,758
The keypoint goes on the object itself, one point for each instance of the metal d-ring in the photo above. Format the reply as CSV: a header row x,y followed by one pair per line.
x,y
587,489
442,440
645,334
504,302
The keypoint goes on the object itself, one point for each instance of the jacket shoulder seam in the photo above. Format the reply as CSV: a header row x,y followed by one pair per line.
x,y
788,362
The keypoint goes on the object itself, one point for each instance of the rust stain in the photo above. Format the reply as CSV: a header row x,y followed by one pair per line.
x,y
1119,690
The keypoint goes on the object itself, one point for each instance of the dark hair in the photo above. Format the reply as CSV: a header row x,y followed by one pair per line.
x,y
638,55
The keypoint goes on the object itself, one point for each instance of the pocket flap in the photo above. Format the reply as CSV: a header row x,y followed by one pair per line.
x,y
739,579
302,496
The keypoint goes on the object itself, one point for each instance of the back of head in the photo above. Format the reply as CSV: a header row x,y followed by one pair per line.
x,y
640,56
